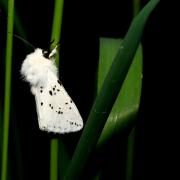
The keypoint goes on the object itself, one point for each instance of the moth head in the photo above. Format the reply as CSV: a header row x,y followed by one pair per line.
x,y
49,54
46,53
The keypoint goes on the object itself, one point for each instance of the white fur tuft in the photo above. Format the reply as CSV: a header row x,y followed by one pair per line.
x,y
36,67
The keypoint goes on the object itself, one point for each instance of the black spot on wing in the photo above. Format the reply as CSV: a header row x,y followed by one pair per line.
x,y
73,123
60,112
50,92
50,106
41,103
41,89
59,82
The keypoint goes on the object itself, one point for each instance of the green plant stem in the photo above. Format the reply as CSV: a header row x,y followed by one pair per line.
x,y
130,154
136,7
57,22
54,160
64,159
7,88
55,35
109,91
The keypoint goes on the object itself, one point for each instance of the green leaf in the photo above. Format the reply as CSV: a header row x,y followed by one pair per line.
x,y
126,105
109,92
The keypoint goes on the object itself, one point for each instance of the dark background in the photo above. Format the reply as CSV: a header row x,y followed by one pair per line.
x,y
83,23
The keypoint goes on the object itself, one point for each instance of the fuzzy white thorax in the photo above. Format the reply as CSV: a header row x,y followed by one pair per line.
x,y
36,67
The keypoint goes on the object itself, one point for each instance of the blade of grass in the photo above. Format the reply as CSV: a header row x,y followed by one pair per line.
x,y
63,160
57,22
130,155
126,105
55,35
107,96
7,88
54,160
136,7
20,30
131,137
1,131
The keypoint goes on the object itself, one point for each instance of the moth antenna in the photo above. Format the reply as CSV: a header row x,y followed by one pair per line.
x,y
25,41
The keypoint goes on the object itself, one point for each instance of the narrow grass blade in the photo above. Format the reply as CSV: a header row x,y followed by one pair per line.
x,y
131,137
109,91
55,35
57,22
7,89
130,155
136,7
54,160
64,159
1,131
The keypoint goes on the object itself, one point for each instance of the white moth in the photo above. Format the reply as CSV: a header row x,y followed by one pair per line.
x,y
55,109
